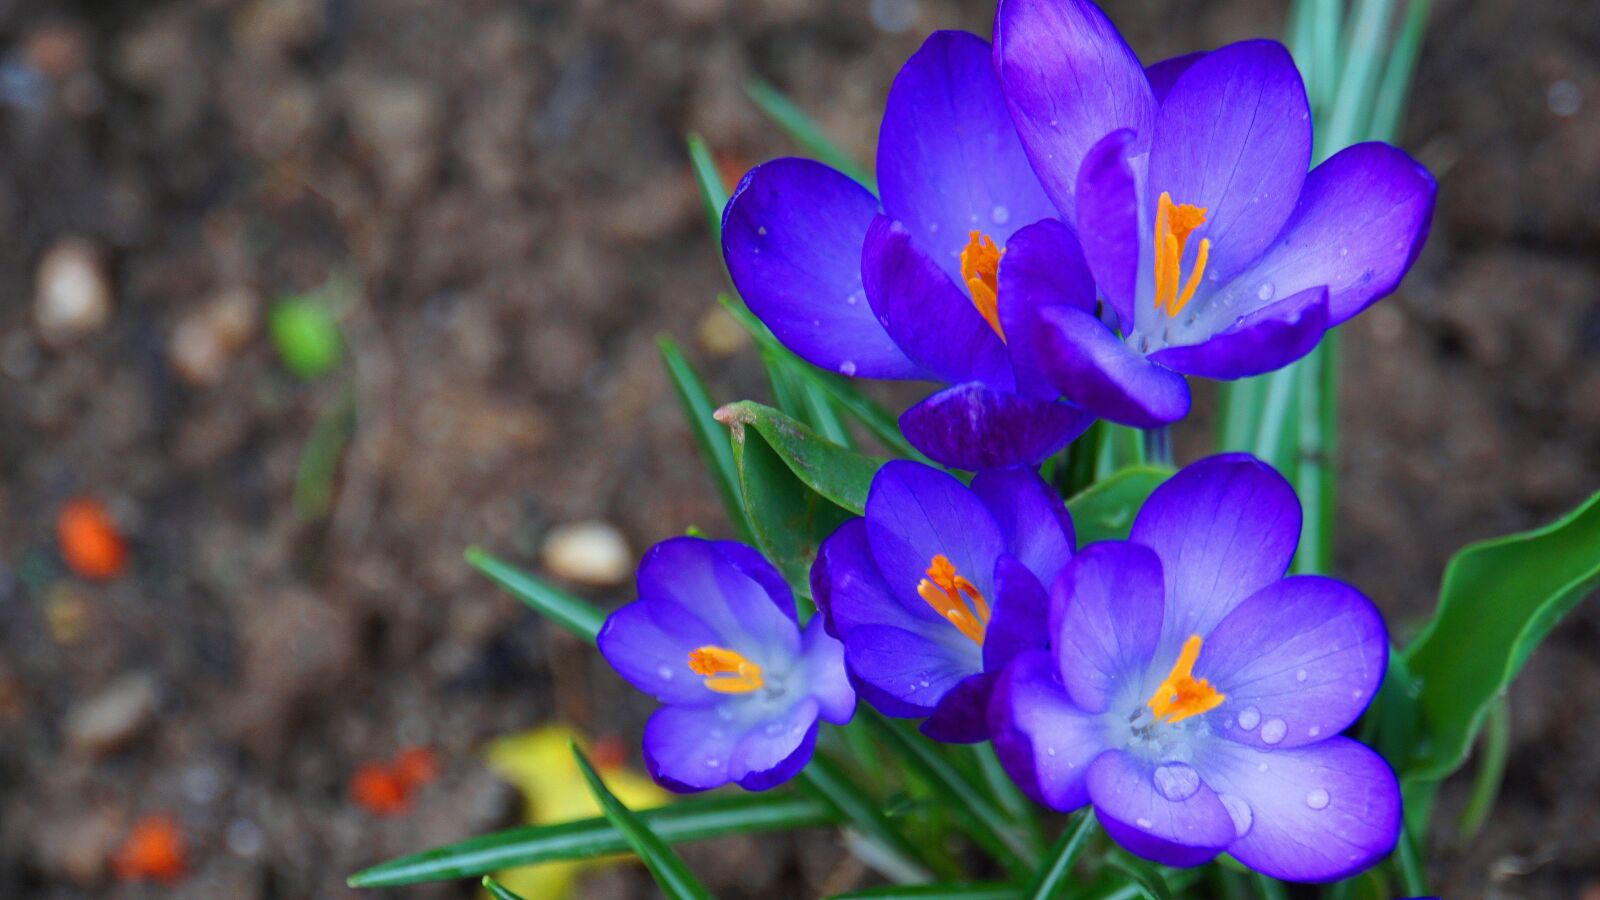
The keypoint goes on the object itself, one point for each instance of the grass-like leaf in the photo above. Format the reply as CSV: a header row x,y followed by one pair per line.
x,y
839,474
575,614
973,891
1105,510
671,875
499,891
713,195
829,784
700,412
804,131
1055,878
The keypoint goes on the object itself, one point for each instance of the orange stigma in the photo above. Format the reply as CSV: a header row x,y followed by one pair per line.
x,y
980,269
727,671
1182,695
955,598
1174,223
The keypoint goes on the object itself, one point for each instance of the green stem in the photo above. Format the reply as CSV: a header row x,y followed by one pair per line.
x,y
1491,770
1054,879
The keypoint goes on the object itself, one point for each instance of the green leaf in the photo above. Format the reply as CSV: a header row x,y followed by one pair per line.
x,y
575,614
306,335
671,875
1143,874
832,787
1491,771
319,462
700,411
841,475
804,131
1105,511
1498,600
694,819
1055,878
498,891
713,195
944,891
1269,888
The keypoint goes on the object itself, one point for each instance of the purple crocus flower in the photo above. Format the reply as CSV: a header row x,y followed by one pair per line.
x,y
1215,252
1195,696
913,289
713,636
939,586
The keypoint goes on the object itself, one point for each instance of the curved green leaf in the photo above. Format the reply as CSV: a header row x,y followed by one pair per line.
x,y
805,132
839,474
1498,600
1055,878
830,785
671,875
575,614
1105,510
498,891
699,411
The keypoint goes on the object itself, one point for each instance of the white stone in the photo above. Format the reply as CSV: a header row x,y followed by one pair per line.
x,y
72,292
592,553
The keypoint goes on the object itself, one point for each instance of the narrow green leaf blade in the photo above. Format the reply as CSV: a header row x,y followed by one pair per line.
x,y
575,614
1106,509
713,196
700,411
693,819
832,787
804,131
498,891
1056,877
1498,600
991,890
839,474
668,869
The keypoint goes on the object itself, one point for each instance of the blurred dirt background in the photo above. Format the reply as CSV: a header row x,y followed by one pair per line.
x,y
495,195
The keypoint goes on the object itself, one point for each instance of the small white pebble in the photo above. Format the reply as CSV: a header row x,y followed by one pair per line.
x,y
72,292
592,553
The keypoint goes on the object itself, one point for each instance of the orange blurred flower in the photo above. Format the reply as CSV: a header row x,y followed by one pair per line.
x,y
416,766
386,789
153,851
90,542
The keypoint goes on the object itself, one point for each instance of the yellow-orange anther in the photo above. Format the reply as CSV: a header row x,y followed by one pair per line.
x,y
980,269
1174,223
727,671
1182,695
955,598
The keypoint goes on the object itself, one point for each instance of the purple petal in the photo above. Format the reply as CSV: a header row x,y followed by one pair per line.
x,y
689,749
1315,813
1070,80
916,512
1021,615
1164,74
825,673
1105,620
931,318
707,580
1094,369
851,592
791,236
786,768
914,669
654,656
961,716
1108,220
773,751
1032,517
1234,137
1361,220
1305,655
949,160
1044,742
1224,527
1043,267
1262,341
972,427
1173,819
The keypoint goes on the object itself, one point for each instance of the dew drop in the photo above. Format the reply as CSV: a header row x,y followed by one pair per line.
x,y
665,672
1000,215
1344,251
712,762
1051,751
1274,730
1301,676
1357,694
1144,823
1266,291
923,683
1249,718
1313,731
1261,767
933,227
1176,781
1317,799
847,368
761,229
1239,812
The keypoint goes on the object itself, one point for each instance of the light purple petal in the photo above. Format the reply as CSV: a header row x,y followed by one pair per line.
x,y
766,753
1315,813
1032,518
825,673
1070,79
1164,74
972,427
786,768
1094,369
1105,620
1360,223
927,314
792,236
705,580
1043,267
1044,742
916,512
1108,221
1234,137
689,749
1173,819
1021,615
962,714
654,656
1304,655
1262,341
912,668
851,592
1224,527
949,160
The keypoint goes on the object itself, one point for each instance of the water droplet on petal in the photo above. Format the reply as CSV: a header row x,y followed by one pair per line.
x,y
1317,799
665,672
1274,730
1301,676
1176,781
1261,767
1313,731
1000,215
712,762
1051,751
761,229
1265,292
1239,812
1249,718
1144,823
847,369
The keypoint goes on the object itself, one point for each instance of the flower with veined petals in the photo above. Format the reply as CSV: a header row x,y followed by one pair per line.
x,y
939,586
714,637
1214,251
1195,696
915,288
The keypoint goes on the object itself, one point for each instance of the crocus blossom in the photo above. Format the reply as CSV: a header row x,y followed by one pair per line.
x,y
714,637
1214,251
1195,696
912,288
939,586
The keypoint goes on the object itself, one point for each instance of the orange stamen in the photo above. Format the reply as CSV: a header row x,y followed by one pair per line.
x,y
980,269
1174,223
153,851
727,671
955,598
1182,695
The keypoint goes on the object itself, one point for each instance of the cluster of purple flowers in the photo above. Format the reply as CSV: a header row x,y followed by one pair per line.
x,y
1061,235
